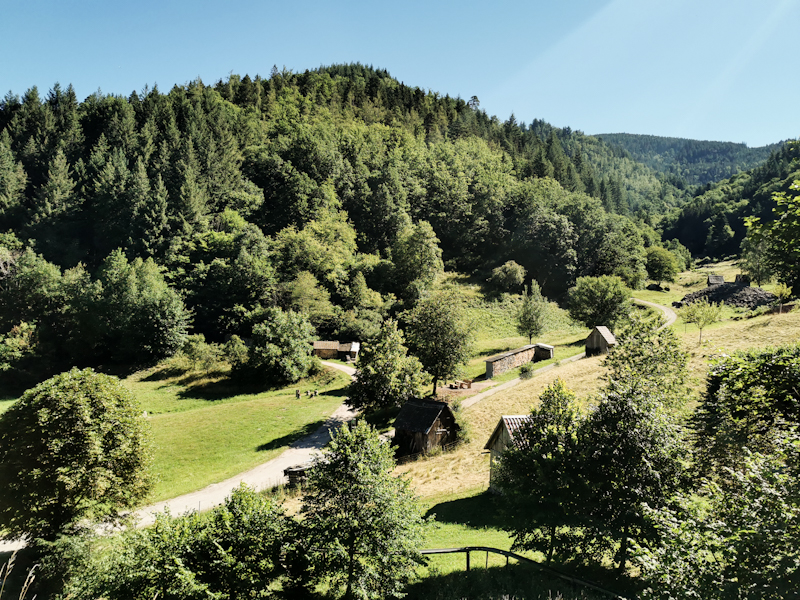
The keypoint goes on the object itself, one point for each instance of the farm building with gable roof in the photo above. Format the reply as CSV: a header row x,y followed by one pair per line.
x,y
423,425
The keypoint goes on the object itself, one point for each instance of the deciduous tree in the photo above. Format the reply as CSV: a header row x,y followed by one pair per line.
x,y
702,313
74,447
661,264
439,335
540,477
363,525
386,375
600,300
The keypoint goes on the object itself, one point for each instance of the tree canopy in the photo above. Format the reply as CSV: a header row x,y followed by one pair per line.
x,y
362,525
74,447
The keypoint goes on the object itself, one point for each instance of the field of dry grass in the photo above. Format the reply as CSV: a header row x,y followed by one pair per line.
x,y
467,468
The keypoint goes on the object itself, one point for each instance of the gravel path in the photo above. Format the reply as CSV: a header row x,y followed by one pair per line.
x,y
670,314
264,476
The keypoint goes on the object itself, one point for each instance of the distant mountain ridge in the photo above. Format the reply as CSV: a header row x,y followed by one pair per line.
x,y
695,161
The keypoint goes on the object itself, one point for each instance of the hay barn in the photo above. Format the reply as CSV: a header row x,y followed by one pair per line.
x,y
423,425
502,437
600,341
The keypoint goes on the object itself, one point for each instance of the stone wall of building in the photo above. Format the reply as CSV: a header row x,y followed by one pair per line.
x,y
510,360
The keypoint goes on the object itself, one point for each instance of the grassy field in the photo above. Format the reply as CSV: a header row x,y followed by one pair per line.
x,y
206,431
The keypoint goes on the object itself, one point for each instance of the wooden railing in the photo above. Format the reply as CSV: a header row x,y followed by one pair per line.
x,y
508,554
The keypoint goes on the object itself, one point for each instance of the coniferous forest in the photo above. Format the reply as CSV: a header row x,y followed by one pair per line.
x,y
230,225
309,189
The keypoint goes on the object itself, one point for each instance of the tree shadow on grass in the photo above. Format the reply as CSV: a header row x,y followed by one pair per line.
x,y
383,419
478,511
292,438
521,580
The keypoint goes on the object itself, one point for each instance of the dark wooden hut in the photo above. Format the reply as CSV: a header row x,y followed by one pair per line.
x,y
423,425
600,341
502,437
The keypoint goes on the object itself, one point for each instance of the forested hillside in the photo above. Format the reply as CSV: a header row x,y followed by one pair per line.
x,y
712,223
332,193
694,161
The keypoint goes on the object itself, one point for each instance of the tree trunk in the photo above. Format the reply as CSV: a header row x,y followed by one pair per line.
x,y
552,544
623,550
351,567
435,381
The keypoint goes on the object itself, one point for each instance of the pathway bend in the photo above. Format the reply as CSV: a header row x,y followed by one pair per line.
x,y
264,476
670,314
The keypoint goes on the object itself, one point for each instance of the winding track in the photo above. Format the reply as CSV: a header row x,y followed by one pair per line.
x,y
264,476
670,314
270,473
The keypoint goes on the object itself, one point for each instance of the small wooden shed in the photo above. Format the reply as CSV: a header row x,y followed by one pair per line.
x,y
324,349
423,425
715,280
502,437
600,341
341,350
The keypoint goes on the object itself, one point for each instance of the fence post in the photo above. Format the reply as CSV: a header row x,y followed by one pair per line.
x,y
467,561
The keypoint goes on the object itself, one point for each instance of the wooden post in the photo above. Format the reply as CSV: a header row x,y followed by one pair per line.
x,y
467,561
487,559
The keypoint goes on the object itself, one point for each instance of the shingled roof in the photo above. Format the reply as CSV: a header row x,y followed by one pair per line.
x,y
320,345
511,423
418,416
607,335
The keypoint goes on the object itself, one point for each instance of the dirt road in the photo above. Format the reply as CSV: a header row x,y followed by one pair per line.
x,y
670,314
264,476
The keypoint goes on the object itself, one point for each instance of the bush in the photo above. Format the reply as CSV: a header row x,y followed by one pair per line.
x,y
526,371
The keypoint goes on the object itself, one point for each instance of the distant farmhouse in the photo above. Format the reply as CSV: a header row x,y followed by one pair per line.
x,y
600,341
502,437
343,351
423,425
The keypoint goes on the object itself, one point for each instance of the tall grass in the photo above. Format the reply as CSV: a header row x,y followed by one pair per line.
x,y
5,573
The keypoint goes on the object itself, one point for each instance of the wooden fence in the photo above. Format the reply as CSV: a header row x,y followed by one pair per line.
x,y
508,554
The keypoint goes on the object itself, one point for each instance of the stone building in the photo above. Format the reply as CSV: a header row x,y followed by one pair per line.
x,y
501,363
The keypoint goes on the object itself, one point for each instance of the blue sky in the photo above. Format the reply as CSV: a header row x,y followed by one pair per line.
x,y
703,69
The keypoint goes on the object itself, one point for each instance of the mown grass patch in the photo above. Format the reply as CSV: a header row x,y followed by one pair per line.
x,y
205,432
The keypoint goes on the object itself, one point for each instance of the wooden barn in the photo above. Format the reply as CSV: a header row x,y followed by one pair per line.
x,y
326,349
502,437
600,341
344,351
423,425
